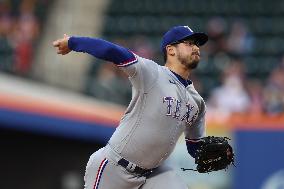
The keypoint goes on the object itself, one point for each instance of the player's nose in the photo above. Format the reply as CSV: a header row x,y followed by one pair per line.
x,y
196,47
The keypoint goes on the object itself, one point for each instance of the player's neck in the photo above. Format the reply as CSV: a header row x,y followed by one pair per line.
x,y
179,69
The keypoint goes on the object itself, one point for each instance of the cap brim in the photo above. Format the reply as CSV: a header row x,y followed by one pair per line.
x,y
200,38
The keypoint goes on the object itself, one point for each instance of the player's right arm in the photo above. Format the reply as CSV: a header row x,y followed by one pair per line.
x,y
141,71
99,48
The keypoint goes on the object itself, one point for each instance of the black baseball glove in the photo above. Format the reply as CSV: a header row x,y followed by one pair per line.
x,y
214,153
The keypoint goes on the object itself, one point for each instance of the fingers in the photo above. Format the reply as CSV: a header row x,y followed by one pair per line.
x,y
62,45
56,43
63,51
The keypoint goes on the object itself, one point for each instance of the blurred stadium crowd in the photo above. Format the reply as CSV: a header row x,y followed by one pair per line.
x,y
242,69
20,26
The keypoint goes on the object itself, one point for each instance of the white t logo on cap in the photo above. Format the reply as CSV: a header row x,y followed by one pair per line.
x,y
188,28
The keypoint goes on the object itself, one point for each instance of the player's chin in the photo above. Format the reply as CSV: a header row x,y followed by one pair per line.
x,y
193,65
194,62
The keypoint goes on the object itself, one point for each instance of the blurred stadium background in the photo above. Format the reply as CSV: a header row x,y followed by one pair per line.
x,y
56,111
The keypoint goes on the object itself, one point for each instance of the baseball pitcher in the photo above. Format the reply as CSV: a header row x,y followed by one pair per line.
x,y
164,105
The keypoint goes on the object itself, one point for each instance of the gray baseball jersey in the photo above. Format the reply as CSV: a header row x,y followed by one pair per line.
x,y
161,109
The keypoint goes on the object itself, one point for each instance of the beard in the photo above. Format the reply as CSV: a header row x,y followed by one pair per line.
x,y
189,61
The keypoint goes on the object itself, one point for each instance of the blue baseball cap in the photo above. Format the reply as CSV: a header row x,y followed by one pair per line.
x,y
179,33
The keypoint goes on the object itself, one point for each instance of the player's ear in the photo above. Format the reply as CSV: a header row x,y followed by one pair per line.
x,y
170,50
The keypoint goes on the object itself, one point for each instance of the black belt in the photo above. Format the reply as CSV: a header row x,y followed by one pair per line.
x,y
137,170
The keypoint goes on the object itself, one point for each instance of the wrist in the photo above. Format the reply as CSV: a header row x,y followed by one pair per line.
x,y
70,42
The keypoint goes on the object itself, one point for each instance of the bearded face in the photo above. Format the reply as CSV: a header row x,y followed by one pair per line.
x,y
189,56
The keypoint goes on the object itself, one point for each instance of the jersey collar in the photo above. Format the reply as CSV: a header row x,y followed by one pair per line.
x,y
182,80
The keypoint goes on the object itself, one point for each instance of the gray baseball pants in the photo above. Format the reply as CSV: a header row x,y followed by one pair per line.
x,y
103,172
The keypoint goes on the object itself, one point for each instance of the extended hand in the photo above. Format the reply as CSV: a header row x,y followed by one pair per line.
x,y
62,45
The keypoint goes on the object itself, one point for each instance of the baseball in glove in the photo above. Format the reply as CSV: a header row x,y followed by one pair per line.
x,y
214,154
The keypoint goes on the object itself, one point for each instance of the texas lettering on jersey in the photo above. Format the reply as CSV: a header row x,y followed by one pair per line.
x,y
174,107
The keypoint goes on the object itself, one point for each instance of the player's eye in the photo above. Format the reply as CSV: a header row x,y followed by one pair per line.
x,y
190,43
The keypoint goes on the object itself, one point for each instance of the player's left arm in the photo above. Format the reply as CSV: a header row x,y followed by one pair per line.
x,y
210,153
195,132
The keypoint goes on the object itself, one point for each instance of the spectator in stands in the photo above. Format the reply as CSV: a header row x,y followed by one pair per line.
x,y
255,92
216,29
26,32
239,40
274,91
110,84
142,47
231,96
6,25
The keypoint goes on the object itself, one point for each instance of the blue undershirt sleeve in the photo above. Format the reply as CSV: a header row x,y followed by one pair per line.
x,y
192,146
102,49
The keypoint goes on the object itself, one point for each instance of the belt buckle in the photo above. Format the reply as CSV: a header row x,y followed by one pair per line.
x,y
130,167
